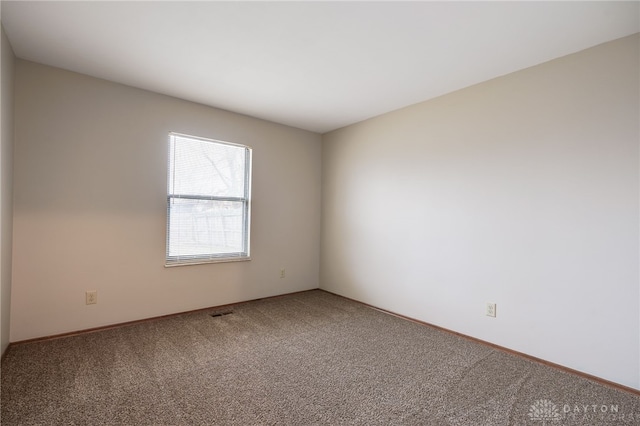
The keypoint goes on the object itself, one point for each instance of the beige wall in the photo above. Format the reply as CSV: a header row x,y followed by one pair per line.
x,y
90,205
6,191
521,191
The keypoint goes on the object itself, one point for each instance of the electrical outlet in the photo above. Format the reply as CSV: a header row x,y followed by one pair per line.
x,y
491,310
282,273
91,297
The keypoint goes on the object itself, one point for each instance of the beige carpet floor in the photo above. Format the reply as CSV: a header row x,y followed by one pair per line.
x,y
310,358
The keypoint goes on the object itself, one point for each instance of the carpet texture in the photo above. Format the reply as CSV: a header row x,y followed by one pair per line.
x,y
303,359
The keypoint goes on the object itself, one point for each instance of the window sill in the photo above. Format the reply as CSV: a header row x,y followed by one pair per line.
x,y
204,262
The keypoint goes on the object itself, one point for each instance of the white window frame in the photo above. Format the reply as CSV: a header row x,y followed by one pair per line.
x,y
213,257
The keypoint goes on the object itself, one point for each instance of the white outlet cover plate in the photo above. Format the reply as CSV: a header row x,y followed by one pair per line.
x,y
491,310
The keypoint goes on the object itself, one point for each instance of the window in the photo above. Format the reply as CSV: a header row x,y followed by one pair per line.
x,y
208,201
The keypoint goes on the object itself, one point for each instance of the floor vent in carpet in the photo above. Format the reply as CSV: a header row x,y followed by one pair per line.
x,y
220,314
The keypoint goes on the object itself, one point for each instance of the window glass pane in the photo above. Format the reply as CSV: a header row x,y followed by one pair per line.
x,y
205,227
206,168
208,201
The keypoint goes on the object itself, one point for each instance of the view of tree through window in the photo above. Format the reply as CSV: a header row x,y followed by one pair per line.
x,y
208,200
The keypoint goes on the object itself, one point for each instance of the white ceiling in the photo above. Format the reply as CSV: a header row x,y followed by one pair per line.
x,y
313,65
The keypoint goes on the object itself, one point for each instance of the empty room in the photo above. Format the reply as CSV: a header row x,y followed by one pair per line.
x,y
299,213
